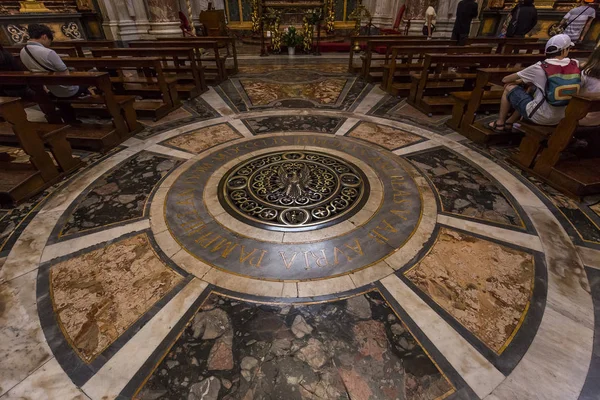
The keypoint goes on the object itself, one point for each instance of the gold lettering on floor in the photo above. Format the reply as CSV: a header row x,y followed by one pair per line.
x,y
378,233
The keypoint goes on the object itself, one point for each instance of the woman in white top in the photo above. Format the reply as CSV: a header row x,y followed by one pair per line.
x,y
430,19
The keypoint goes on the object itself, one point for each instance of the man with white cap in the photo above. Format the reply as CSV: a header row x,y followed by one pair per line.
x,y
550,83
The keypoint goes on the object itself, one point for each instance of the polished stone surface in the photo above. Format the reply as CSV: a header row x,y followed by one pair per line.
x,y
349,349
384,136
459,277
293,190
204,138
465,190
197,227
484,285
99,294
119,195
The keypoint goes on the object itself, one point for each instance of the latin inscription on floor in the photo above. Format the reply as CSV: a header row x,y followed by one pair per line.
x,y
389,228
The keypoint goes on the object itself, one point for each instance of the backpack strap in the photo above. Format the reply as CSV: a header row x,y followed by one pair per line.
x,y
544,65
36,61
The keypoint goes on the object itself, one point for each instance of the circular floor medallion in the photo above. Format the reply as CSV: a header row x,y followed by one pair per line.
x,y
299,207
293,191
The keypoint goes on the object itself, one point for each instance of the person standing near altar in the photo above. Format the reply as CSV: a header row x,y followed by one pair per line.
x,y
465,12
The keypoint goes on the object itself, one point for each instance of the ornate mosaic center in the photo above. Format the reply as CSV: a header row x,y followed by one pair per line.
x,y
293,190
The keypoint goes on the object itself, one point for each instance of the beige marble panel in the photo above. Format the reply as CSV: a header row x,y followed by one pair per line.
x,y
98,295
484,285
199,140
261,93
475,369
110,380
384,136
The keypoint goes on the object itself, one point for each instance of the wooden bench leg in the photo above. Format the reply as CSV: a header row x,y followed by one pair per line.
x,y
63,153
458,110
528,150
130,118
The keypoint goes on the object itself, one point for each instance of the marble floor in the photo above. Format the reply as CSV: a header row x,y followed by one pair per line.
x,y
296,233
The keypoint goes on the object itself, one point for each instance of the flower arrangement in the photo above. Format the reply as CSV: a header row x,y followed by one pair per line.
x,y
291,38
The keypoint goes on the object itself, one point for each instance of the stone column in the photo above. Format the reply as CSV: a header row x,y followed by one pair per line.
x,y
446,12
124,19
164,19
383,11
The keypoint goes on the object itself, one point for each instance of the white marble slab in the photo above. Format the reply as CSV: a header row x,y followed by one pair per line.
x,y
374,96
27,250
71,246
506,235
23,347
346,126
216,102
49,382
157,148
428,144
589,257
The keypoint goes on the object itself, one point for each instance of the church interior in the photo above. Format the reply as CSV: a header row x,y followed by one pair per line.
x,y
299,199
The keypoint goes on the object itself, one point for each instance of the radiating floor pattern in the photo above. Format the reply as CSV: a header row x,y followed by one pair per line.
x,y
295,233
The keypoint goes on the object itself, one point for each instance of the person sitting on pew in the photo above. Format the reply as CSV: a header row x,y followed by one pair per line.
x,y
590,76
9,63
541,107
37,57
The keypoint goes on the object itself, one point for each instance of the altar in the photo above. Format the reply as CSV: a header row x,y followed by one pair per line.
x,y
240,13
69,19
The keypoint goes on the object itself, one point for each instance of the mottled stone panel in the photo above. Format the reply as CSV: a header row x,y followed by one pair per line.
x,y
98,295
484,285
261,93
294,123
349,349
199,140
464,190
120,194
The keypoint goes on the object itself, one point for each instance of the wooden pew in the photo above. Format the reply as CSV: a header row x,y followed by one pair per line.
x,y
136,76
406,59
177,62
579,176
484,95
524,48
95,137
361,40
379,50
224,41
382,44
19,181
82,45
214,65
63,51
435,75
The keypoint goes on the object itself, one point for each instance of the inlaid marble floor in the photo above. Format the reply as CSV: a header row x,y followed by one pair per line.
x,y
295,233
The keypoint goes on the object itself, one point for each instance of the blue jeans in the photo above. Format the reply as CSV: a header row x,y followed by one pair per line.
x,y
519,98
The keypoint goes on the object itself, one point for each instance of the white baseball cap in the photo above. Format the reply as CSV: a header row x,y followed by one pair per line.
x,y
558,43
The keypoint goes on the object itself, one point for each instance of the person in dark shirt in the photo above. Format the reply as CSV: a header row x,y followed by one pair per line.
x,y
523,19
9,63
465,12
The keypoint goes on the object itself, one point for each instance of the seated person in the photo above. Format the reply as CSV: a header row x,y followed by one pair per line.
x,y
37,57
540,108
590,76
9,63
